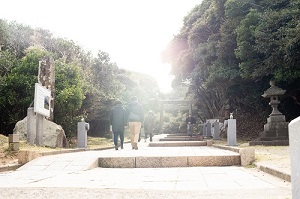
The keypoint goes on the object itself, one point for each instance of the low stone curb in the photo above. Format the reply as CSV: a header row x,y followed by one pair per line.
x,y
274,172
266,169
247,154
10,167
25,156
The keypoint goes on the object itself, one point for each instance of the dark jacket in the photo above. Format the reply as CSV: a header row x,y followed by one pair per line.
x,y
149,123
135,112
190,120
117,118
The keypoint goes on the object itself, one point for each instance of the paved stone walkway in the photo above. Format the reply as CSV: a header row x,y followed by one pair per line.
x,y
76,176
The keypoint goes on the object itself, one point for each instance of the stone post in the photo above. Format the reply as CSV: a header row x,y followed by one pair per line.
x,y
161,118
14,142
231,132
39,129
294,141
30,126
208,129
204,130
83,127
216,130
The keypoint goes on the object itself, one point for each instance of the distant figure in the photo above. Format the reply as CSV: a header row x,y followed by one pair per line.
x,y
135,119
149,123
118,121
231,116
190,121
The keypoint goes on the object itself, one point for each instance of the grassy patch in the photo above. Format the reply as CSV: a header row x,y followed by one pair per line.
x,y
239,142
98,142
92,142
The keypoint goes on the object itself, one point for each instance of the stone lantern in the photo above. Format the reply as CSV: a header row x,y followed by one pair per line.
x,y
273,93
276,129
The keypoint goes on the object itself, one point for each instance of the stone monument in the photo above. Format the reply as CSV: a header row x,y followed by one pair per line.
x,y
82,128
276,129
231,131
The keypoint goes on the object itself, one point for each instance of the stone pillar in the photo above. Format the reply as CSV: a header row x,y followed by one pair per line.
x,y
208,129
14,142
231,132
30,126
294,141
83,127
161,119
204,130
46,78
39,129
216,130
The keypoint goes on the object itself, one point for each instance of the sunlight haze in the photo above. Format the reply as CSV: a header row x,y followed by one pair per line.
x,y
132,32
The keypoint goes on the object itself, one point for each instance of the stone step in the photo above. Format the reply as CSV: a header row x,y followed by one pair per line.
x,y
178,135
182,136
182,139
169,161
178,143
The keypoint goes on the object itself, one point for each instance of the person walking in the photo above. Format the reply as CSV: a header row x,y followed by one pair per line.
x,y
118,121
135,119
149,123
190,121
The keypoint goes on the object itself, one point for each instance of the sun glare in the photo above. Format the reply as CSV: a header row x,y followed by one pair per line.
x,y
132,32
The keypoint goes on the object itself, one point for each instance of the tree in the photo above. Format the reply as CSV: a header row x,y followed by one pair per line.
x,y
17,88
69,96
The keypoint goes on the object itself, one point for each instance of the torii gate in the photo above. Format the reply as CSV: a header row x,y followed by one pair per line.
x,y
173,102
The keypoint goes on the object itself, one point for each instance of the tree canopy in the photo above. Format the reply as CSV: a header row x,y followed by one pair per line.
x,y
85,86
227,52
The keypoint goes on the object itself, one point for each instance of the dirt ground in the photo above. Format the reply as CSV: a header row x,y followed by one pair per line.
x,y
6,156
8,159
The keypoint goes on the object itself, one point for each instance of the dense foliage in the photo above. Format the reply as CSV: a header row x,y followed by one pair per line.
x,y
227,52
85,86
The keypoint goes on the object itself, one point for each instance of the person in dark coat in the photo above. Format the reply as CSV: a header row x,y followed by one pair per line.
x,y
135,120
149,123
118,121
190,121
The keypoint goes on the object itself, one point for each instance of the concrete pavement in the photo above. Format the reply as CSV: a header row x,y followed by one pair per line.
x,y
77,175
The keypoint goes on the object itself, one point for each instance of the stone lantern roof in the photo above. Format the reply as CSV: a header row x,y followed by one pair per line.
x,y
273,91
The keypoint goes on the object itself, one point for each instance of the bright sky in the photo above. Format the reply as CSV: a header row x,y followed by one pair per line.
x,y
132,32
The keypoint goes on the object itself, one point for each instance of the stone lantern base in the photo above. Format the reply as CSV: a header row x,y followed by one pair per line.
x,y
275,132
